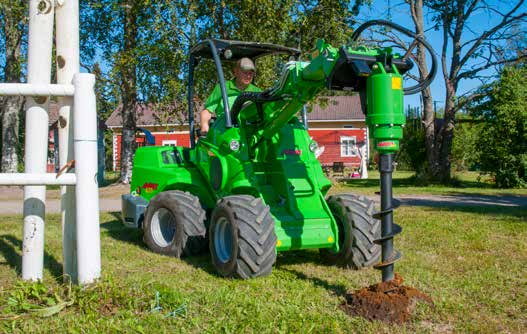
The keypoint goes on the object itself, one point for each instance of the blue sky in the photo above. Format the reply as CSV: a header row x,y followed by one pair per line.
x,y
400,14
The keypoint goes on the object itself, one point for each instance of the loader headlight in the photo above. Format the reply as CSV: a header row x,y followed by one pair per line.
x,y
313,146
234,145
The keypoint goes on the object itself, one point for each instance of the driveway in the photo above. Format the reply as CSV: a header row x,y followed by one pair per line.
x,y
11,199
110,200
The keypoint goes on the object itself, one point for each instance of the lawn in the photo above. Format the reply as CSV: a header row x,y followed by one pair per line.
x,y
404,183
471,262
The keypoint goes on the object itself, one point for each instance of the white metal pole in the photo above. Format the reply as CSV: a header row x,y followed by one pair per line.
x,y
87,191
16,89
40,39
23,179
67,42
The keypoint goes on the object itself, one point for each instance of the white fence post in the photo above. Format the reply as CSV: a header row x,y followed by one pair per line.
x,y
36,146
87,191
67,43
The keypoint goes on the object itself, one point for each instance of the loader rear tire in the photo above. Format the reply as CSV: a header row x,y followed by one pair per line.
x,y
357,230
174,224
242,239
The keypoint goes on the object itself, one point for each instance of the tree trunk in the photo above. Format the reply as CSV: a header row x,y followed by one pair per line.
x,y
129,91
12,105
416,8
10,124
446,136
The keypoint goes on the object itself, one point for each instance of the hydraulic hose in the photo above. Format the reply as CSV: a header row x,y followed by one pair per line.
x,y
430,77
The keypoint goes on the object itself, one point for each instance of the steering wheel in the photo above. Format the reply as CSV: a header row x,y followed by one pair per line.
x,y
422,84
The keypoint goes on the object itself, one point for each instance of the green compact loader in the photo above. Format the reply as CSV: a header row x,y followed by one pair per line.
x,y
253,187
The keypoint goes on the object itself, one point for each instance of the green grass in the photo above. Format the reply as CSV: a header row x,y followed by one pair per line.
x,y
404,183
470,262
111,177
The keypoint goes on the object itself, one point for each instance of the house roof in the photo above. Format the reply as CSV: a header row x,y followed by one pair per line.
x,y
53,114
336,108
150,115
326,108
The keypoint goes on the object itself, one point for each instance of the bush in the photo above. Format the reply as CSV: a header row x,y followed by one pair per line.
x,y
464,147
412,154
502,143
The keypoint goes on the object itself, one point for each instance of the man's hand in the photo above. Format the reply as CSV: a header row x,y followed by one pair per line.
x,y
205,117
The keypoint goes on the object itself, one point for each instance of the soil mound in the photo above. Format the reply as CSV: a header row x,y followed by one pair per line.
x,y
390,301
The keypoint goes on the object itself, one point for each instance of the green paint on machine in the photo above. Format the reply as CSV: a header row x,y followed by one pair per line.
x,y
256,167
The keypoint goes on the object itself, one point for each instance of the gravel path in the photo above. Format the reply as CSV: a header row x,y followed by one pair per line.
x,y
110,200
11,199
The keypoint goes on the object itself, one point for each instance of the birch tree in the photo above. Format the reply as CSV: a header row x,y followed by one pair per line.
x,y
13,22
467,52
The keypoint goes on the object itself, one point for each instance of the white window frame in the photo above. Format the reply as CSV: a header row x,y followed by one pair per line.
x,y
169,142
348,146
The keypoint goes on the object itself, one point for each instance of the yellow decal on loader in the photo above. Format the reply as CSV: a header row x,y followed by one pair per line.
x,y
397,83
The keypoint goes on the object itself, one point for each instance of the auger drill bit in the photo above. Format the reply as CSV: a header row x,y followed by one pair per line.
x,y
388,228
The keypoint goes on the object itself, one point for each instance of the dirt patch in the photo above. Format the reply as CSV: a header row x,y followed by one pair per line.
x,y
108,307
391,301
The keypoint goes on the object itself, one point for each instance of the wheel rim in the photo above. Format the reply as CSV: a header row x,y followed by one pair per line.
x,y
223,240
163,227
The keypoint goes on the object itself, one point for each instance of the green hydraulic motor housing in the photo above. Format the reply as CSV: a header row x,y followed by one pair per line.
x,y
385,117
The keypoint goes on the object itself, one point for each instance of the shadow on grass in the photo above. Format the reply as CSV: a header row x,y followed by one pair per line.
x,y
202,261
116,230
337,289
472,204
9,246
298,257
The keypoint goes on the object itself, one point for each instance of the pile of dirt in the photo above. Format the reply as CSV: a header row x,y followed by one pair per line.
x,y
390,301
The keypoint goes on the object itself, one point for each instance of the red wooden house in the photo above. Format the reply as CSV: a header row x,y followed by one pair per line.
x,y
337,123
53,156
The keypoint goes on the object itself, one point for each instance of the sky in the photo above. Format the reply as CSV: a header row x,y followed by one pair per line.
x,y
400,14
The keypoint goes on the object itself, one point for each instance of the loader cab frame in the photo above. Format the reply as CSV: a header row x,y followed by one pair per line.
x,y
228,51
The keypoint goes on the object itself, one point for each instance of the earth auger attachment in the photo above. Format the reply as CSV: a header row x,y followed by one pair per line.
x,y
385,118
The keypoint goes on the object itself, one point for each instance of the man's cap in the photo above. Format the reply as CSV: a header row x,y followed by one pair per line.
x,y
246,64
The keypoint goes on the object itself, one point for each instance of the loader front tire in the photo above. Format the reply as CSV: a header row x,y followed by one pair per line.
x,y
357,230
242,239
174,224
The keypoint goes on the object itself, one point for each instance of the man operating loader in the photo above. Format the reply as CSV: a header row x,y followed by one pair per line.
x,y
242,82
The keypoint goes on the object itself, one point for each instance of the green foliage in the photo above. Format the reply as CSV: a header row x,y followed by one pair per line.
x,y
412,154
167,30
503,140
464,147
35,299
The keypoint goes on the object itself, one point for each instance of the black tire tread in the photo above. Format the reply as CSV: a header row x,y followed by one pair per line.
x,y
357,211
189,215
256,237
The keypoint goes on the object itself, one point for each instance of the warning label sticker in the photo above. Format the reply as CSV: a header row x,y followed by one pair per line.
x,y
397,83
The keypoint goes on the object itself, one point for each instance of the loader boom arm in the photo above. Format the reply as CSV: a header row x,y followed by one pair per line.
x,y
301,81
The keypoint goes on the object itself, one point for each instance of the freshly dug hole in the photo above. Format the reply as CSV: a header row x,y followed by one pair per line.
x,y
391,301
